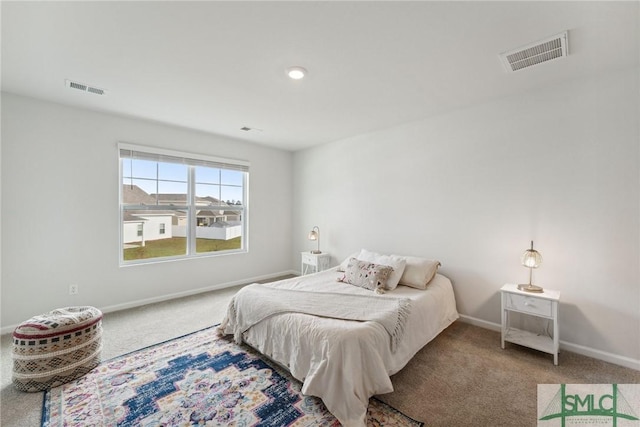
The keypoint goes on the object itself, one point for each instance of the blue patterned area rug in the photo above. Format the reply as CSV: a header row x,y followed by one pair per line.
x,y
198,379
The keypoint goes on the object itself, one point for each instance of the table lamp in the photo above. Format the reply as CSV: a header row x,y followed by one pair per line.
x,y
314,234
531,259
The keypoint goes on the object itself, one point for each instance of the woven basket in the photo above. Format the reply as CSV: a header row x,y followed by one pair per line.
x,y
57,347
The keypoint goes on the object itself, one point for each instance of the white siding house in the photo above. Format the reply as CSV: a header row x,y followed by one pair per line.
x,y
140,227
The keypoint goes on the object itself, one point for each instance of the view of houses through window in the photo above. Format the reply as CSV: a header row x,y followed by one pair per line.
x,y
173,205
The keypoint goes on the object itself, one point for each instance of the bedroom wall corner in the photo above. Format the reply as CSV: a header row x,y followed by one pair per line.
x,y
560,166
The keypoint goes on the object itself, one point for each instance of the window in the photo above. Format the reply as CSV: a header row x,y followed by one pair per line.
x,y
176,205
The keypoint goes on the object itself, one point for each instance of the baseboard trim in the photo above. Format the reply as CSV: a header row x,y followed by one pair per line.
x,y
481,323
616,359
139,303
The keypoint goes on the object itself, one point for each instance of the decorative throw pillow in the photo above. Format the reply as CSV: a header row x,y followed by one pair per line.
x,y
394,261
343,265
367,275
419,272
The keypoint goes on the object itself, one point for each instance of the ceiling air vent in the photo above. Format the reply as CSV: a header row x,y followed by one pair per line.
x,y
536,53
85,87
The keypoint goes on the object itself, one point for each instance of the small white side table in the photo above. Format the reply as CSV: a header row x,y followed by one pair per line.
x,y
543,304
314,263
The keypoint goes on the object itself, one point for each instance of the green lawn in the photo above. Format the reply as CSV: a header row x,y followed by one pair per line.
x,y
177,246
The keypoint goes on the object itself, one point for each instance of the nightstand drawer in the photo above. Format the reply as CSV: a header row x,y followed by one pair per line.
x,y
527,304
308,258
314,263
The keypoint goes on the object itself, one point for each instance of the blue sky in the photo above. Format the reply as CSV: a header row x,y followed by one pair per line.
x,y
160,177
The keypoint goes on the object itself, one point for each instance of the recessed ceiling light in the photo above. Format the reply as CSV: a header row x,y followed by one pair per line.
x,y
296,72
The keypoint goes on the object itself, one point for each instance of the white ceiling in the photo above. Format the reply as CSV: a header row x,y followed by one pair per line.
x,y
219,66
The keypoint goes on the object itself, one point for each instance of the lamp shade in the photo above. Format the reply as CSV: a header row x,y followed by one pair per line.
x,y
531,258
314,235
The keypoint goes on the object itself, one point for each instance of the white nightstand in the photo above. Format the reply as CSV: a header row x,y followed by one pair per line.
x,y
313,263
544,304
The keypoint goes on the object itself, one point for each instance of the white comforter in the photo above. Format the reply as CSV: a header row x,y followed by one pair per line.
x,y
259,302
346,362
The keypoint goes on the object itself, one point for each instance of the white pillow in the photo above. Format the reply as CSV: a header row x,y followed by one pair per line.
x,y
396,262
418,272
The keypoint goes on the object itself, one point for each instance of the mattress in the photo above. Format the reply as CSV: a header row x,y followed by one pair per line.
x,y
346,362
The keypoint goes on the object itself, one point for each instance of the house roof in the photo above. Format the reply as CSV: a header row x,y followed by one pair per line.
x,y
128,216
134,195
209,214
210,200
178,198
138,215
170,198
215,213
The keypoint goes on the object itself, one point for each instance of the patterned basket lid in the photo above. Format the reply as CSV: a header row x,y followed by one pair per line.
x,y
58,321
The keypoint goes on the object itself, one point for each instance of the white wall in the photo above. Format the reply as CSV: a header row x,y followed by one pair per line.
x,y
471,188
60,179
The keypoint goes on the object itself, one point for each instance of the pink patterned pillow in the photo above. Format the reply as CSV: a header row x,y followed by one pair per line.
x,y
367,275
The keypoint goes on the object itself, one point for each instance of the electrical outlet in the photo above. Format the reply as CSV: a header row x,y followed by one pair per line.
x,y
73,289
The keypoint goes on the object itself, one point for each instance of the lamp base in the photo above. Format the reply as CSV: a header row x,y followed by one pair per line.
x,y
530,288
316,252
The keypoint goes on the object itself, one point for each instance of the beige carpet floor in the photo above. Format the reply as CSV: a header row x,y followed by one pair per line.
x,y
462,378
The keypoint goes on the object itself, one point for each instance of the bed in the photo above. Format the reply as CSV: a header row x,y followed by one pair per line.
x,y
345,362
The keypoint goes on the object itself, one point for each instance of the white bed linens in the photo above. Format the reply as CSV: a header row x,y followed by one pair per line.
x,y
345,362
259,302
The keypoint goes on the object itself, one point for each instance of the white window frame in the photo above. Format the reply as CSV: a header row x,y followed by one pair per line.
x,y
191,160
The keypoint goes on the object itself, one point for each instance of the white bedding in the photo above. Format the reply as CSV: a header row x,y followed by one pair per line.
x,y
346,362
